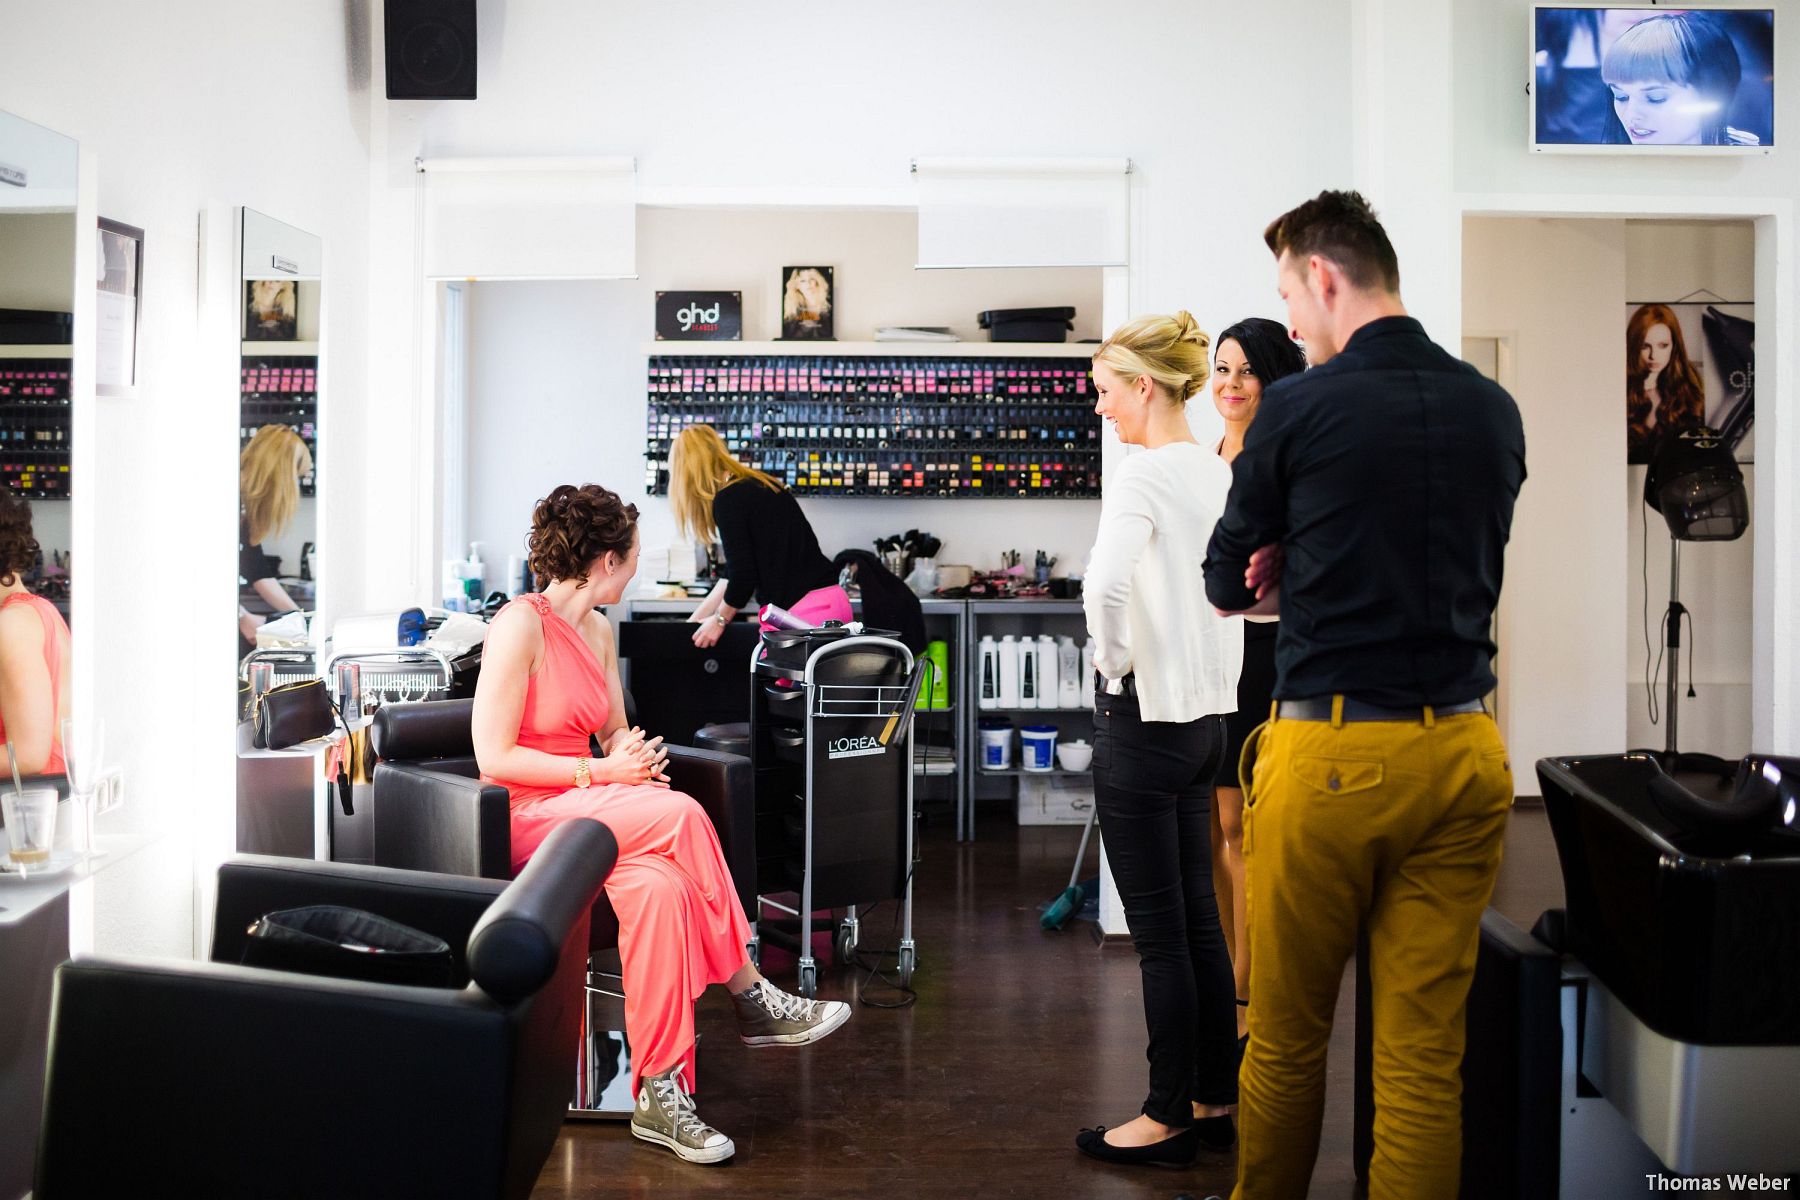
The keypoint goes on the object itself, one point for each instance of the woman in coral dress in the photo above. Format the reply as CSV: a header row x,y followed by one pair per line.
x,y
550,683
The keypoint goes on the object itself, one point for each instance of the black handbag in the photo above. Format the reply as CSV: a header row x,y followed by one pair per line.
x,y
292,713
347,943
299,712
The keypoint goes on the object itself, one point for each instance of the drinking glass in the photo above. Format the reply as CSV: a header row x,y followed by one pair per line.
x,y
81,744
30,824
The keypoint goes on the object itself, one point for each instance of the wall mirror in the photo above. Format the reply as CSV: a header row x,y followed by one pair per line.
x,y
38,234
278,520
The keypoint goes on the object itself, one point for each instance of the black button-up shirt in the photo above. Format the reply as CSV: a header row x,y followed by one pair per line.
x,y
1388,476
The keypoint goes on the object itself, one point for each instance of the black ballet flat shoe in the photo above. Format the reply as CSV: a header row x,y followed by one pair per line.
x,y
1177,1151
1217,1134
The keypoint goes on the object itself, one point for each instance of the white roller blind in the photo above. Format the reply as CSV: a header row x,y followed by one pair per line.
x,y
1023,212
525,218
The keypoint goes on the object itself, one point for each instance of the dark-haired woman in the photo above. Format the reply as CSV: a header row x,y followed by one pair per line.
x,y
1250,355
549,683
34,651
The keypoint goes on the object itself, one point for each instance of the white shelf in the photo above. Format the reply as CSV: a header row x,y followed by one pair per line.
x,y
873,349
280,350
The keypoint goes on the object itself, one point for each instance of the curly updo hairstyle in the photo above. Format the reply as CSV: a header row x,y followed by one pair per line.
x,y
573,526
18,548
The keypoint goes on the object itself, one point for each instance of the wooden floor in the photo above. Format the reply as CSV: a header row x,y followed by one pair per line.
x,y
1019,1038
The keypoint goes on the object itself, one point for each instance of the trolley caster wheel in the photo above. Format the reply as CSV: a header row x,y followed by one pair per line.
x,y
809,981
844,945
908,960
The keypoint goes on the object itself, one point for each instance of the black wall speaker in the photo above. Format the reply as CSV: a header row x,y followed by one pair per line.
x,y
430,49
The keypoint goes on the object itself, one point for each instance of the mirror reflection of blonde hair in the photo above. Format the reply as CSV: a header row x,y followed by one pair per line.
x,y
269,471
699,468
1172,351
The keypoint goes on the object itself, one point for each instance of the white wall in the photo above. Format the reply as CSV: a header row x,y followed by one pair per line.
x,y
1667,260
700,103
176,105
557,385
1556,288
1492,61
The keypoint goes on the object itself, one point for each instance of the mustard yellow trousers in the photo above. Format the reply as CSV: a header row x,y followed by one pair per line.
x,y
1397,825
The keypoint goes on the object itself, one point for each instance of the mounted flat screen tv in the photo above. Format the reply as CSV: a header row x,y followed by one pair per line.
x,y
1636,79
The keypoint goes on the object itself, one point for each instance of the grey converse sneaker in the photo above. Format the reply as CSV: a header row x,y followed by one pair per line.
x,y
665,1115
768,1016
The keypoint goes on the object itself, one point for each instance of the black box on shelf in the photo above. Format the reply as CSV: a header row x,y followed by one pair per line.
x,y
1028,324
34,327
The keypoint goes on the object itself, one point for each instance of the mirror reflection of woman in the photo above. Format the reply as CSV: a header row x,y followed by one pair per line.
x,y
34,651
269,471
1249,357
1663,389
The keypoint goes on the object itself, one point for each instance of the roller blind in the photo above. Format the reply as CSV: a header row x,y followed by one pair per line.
x,y
525,218
1023,212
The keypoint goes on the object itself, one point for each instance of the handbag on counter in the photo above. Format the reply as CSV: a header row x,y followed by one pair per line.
x,y
299,712
292,713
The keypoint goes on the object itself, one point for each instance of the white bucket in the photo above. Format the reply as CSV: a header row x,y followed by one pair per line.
x,y
996,746
1038,745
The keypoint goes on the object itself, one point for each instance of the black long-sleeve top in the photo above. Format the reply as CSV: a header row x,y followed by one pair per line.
x,y
771,552
1388,475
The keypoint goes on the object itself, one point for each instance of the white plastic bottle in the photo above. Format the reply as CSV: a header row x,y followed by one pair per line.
x,y
1087,674
988,654
1068,673
1009,671
1048,672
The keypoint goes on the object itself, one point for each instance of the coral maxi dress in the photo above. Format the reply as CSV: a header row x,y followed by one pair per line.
x,y
681,927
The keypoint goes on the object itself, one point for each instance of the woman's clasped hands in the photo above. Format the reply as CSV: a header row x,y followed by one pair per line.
x,y
631,757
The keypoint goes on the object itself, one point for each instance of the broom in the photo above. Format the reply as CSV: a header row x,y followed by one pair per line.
x,y
1072,898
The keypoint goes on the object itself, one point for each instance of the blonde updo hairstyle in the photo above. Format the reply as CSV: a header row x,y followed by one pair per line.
x,y
1172,351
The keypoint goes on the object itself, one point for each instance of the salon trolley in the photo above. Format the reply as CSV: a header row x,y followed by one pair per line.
x,y
831,739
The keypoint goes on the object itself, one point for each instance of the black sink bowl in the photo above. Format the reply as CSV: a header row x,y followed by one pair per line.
x,y
1704,946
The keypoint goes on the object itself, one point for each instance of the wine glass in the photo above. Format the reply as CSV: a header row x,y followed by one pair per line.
x,y
81,745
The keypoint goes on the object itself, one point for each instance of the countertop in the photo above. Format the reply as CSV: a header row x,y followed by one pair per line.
x,y
19,898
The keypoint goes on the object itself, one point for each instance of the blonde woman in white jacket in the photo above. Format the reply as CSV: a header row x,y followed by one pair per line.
x,y
1168,667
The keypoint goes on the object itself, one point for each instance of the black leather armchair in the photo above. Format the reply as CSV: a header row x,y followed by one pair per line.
x,y
433,813
213,1079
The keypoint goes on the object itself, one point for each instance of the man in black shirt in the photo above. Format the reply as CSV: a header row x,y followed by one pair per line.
x,y
1370,507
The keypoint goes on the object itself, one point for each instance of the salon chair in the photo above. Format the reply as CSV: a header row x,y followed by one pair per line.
x,y
433,813
214,1079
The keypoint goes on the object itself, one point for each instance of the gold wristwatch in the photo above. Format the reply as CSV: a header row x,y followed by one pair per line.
x,y
583,777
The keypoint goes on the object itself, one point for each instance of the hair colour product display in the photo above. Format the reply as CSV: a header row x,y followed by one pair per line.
x,y
866,425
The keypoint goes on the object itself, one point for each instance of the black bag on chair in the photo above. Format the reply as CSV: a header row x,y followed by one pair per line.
x,y
347,943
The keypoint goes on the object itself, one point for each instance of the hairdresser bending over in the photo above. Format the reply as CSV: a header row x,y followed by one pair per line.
x,y
1169,667
771,552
